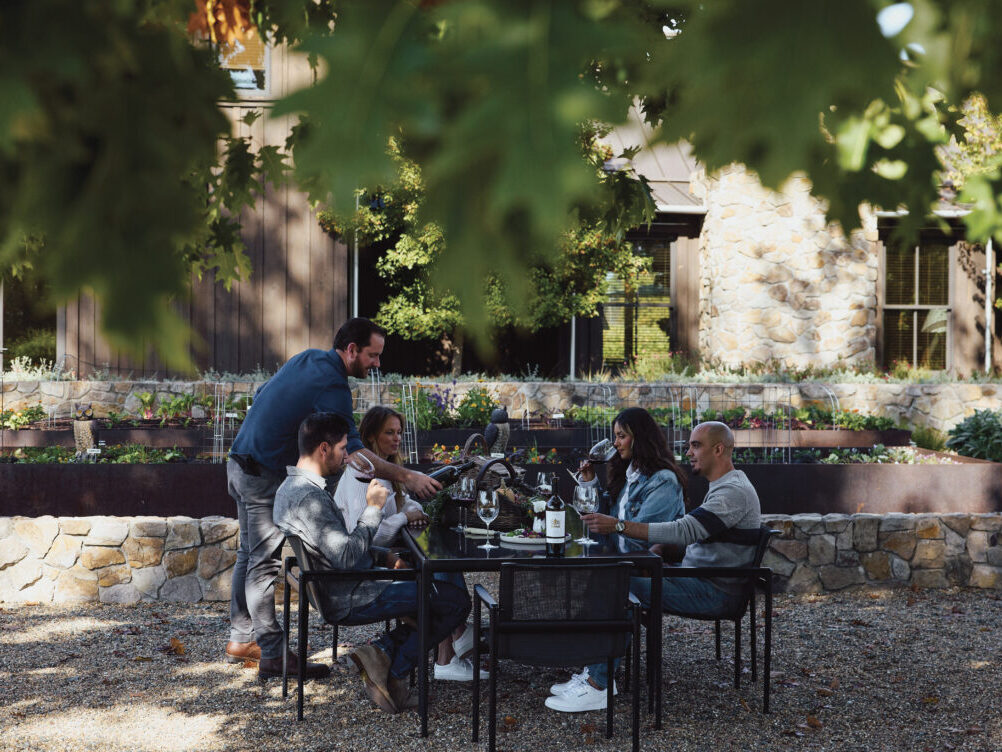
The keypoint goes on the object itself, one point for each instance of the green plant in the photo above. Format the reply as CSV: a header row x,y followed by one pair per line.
x,y
979,435
929,438
432,407
146,402
37,345
474,410
22,418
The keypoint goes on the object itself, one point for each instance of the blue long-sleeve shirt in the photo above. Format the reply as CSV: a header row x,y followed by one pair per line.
x,y
312,381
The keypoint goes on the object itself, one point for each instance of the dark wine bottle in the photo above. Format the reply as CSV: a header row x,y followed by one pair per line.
x,y
556,518
449,474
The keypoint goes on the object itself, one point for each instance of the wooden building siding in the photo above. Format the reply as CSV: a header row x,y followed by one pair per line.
x,y
296,295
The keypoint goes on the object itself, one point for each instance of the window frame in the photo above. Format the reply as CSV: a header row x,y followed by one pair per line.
x,y
950,240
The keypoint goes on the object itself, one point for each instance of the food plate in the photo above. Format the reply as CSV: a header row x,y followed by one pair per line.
x,y
477,532
527,541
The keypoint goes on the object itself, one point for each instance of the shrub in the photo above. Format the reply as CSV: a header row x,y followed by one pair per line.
x,y
978,436
36,345
474,410
929,438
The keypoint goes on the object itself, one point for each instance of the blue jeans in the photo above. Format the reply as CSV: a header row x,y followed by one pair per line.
x,y
450,605
679,595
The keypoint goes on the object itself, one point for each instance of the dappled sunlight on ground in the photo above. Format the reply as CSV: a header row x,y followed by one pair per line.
x,y
51,629
137,726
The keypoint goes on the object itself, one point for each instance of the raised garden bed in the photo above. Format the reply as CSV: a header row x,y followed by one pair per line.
x,y
199,490
154,437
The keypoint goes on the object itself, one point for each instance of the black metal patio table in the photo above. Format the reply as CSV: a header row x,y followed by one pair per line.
x,y
438,548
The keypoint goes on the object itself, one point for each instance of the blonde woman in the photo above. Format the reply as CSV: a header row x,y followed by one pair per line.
x,y
381,430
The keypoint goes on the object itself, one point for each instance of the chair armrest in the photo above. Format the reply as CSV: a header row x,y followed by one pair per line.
x,y
401,575
482,595
747,572
290,562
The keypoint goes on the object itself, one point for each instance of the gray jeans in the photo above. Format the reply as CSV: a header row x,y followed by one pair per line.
x,y
259,561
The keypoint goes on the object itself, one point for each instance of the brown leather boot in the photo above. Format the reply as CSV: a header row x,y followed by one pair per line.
x,y
373,666
241,652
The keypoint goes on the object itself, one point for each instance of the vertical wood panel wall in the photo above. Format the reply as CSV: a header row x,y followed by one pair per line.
x,y
295,297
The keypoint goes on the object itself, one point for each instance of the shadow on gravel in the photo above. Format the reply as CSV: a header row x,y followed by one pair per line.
x,y
860,671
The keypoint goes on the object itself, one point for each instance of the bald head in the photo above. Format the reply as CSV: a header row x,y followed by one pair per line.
x,y
715,432
710,447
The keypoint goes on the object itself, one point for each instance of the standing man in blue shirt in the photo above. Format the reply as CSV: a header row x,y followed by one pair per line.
x,y
312,381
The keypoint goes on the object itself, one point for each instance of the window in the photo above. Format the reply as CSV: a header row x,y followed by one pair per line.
x,y
639,322
248,63
917,303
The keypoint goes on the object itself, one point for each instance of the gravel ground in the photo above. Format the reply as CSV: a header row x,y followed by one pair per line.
x,y
895,670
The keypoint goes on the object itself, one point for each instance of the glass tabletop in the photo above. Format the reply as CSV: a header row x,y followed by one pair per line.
x,y
438,543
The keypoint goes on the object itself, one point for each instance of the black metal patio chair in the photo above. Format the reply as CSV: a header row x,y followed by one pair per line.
x,y
558,613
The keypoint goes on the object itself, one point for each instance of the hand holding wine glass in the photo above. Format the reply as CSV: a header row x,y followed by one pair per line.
x,y
361,467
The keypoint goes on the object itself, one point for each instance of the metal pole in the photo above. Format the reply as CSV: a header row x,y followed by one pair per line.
x,y
989,307
574,342
354,268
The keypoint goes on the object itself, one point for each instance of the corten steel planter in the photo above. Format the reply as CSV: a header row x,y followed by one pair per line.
x,y
161,438
969,487
83,490
199,490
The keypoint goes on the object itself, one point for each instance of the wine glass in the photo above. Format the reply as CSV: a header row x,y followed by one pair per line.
x,y
586,502
464,497
487,509
603,451
361,467
544,484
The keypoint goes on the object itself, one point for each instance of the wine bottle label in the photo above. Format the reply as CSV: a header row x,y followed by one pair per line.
x,y
555,524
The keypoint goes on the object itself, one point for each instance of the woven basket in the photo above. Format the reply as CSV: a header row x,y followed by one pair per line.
x,y
491,474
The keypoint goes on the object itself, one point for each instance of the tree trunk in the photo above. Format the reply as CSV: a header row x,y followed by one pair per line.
x,y
457,352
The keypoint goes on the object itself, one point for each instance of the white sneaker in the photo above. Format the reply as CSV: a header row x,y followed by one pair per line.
x,y
579,699
458,669
582,678
559,689
464,643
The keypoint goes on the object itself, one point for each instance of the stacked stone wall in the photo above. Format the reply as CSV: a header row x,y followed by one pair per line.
x,y
939,406
818,553
116,559
129,559
779,283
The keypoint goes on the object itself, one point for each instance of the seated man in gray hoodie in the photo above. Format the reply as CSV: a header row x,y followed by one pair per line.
x,y
304,507
720,532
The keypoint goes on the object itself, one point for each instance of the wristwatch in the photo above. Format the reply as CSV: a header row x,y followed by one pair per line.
x,y
620,526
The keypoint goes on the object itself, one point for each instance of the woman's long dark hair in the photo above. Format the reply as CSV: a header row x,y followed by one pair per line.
x,y
369,428
650,453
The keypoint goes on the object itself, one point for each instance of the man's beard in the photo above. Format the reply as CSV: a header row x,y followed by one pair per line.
x,y
358,372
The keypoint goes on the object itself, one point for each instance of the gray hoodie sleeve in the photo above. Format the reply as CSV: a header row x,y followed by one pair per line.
x,y
681,532
316,518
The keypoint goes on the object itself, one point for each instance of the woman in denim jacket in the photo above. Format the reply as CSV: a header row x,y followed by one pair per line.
x,y
644,482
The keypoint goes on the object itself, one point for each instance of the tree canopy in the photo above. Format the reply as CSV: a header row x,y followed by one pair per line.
x,y
110,121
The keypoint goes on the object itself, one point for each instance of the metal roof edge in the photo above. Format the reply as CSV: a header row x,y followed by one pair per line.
x,y
680,208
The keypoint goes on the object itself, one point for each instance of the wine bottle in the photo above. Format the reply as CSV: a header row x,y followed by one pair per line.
x,y
449,474
556,518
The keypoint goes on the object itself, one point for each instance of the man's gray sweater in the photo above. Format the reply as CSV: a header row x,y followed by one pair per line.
x,y
304,508
721,532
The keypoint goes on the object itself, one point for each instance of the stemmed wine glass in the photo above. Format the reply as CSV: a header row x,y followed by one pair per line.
x,y
464,497
601,452
487,509
362,467
544,484
586,502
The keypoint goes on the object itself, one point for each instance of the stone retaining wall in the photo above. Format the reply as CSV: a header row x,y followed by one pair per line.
x,y
116,559
128,559
817,553
939,406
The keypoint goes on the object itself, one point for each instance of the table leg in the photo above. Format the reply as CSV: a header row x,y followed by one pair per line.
x,y
657,615
424,592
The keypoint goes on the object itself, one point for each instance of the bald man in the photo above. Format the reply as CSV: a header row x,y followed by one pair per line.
x,y
720,532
